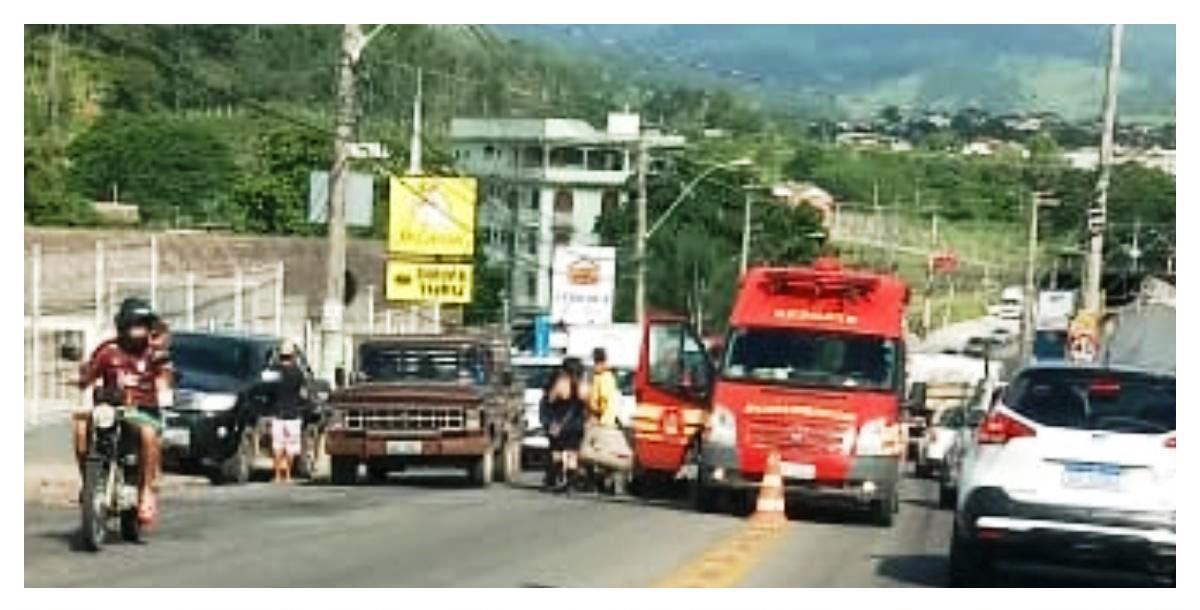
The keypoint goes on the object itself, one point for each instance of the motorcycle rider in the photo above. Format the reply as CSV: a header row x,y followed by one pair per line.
x,y
131,369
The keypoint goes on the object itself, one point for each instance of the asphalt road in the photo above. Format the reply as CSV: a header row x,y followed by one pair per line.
x,y
433,531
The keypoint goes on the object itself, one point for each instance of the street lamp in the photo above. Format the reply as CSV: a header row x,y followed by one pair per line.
x,y
691,186
1039,200
642,237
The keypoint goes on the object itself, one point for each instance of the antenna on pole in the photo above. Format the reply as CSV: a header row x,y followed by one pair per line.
x,y
414,149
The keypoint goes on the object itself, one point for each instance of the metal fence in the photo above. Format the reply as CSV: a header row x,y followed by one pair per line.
x,y
74,286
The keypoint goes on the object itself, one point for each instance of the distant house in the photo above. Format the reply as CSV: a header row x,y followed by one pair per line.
x,y
871,140
1154,158
797,194
987,147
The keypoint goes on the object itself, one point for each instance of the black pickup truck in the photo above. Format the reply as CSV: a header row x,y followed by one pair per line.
x,y
224,401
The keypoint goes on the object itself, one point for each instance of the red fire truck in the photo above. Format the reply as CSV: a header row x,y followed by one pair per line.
x,y
813,367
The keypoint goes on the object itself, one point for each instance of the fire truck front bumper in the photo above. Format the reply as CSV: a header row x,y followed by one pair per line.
x,y
868,479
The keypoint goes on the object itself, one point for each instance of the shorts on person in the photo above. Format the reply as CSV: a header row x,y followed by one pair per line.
x,y
285,436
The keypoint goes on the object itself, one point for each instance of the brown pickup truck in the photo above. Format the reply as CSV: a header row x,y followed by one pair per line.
x,y
428,401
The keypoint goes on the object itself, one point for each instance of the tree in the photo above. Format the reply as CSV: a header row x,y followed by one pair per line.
x,y
272,195
160,163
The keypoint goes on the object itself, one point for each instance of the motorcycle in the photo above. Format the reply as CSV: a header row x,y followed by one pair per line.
x,y
110,478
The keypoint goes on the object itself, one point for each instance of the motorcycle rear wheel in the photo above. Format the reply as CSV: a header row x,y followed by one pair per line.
x,y
93,505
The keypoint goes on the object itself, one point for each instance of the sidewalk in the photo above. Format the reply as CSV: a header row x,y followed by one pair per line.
x,y
51,476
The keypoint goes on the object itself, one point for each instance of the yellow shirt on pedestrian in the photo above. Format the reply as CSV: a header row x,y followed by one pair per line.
x,y
602,403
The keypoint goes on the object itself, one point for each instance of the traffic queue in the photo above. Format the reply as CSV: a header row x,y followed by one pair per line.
x,y
816,377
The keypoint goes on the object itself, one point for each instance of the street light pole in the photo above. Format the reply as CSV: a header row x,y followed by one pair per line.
x,y
644,234
1027,322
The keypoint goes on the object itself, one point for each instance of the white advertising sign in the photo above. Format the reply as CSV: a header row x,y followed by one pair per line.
x,y
582,289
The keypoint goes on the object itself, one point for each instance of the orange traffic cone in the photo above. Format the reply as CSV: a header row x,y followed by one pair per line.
x,y
770,493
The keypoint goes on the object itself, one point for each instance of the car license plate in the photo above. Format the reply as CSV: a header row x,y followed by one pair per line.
x,y
791,470
177,437
404,447
1081,475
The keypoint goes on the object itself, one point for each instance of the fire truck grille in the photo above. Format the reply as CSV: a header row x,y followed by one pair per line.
x,y
804,435
407,419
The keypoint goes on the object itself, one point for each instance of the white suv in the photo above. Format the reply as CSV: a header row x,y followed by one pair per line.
x,y
1076,464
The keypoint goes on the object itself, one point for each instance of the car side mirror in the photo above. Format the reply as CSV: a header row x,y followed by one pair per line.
x,y
271,376
70,352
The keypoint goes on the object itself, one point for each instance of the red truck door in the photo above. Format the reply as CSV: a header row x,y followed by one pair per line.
x,y
673,385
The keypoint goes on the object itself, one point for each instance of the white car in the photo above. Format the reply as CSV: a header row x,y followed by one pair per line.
x,y
535,372
1075,464
939,440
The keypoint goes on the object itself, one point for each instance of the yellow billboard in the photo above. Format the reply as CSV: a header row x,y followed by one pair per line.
x,y
429,282
432,216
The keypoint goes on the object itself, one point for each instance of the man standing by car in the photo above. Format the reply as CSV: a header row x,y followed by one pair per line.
x,y
285,428
130,372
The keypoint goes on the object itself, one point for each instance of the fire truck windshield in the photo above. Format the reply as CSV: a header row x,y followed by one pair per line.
x,y
796,357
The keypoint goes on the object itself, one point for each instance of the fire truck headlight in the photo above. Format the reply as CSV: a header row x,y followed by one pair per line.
x,y
722,426
878,438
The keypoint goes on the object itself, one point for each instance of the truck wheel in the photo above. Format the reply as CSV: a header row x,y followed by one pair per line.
x,y
947,496
377,474
343,470
482,470
510,462
237,467
305,466
701,498
883,510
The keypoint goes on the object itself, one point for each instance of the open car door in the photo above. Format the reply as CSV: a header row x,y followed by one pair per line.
x,y
673,386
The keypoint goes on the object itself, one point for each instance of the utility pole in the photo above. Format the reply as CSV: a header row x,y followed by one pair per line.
x,y
746,232
333,309
1097,214
1135,252
640,252
414,155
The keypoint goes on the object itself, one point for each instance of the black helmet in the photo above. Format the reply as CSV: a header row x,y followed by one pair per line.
x,y
134,311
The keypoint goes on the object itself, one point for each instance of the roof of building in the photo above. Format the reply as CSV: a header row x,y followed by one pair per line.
x,y
565,131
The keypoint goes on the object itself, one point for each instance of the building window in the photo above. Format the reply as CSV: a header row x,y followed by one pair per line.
x,y
564,206
512,198
531,288
562,236
535,200
567,158
609,201
604,160
490,152
532,243
531,156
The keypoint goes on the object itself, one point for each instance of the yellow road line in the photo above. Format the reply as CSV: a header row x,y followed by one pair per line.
x,y
727,563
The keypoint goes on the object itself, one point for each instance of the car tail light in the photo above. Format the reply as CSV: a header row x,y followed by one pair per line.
x,y
998,429
1170,442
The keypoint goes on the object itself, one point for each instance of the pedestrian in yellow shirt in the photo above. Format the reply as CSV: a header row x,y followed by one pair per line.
x,y
602,402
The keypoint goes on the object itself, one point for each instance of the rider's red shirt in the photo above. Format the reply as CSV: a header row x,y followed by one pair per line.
x,y
136,374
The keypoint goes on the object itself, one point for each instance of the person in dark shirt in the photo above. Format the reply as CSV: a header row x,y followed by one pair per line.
x,y
289,398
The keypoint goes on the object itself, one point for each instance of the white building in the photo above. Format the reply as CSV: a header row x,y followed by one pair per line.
x,y
544,182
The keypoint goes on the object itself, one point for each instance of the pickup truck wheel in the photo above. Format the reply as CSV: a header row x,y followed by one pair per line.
x,y
482,470
510,462
238,467
343,470
305,466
